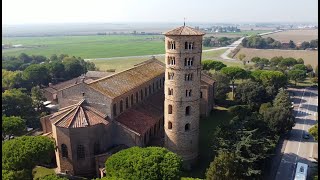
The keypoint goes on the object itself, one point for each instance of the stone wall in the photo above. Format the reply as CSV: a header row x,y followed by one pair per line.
x,y
182,137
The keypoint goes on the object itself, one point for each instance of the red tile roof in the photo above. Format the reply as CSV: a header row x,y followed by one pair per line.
x,y
184,31
77,116
117,84
144,116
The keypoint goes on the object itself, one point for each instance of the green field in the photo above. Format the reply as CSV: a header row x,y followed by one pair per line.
x,y
87,46
124,63
95,46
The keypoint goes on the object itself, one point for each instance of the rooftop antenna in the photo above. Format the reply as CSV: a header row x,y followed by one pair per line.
x,y
184,21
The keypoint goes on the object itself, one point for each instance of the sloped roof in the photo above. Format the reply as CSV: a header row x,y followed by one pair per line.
x,y
184,31
122,82
144,116
97,74
206,78
77,116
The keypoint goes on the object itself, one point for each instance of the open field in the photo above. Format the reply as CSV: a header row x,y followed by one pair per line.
x,y
95,46
237,34
127,62
309,57
87,46
295,35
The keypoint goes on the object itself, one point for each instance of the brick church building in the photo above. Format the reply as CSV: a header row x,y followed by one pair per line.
x,y
100,117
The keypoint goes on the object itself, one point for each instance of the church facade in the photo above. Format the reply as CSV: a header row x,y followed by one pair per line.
x,y
129,108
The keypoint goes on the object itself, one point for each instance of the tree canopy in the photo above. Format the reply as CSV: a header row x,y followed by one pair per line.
x,y
314,131
17,103
221,85
224,166
144,163
12,126
36,74
297,75
22,154
250,93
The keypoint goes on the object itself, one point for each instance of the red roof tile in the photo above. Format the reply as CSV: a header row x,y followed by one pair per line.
x,y
144,116
77,116
184,31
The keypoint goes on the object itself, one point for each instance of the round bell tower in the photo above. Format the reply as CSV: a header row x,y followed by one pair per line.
x,y
182,92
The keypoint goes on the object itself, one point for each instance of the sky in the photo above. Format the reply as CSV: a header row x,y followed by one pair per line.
x,y
202,11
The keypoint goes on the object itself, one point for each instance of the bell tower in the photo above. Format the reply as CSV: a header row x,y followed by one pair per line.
x,y
182,92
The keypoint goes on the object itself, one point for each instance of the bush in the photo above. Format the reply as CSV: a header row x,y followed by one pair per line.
x,y
144,163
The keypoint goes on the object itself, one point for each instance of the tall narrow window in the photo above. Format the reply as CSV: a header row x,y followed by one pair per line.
x,y
149,89
141,94
190,93
114,109
169,109
137,97
121,106
145,92
187,110
186,45
131,99
64,151
127,103
163,80
160,83
188,77
80,152
169,125
96,148
187,127
170,75
170,91
185,61
200,94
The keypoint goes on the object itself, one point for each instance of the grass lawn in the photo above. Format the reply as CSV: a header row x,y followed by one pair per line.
x,y
207,126
40,171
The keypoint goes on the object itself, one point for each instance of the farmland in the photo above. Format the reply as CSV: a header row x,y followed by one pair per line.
x,y
87,46
126,62
237,34
309,57
295,35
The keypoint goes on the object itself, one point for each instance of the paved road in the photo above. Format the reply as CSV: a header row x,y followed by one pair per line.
x,y
298,149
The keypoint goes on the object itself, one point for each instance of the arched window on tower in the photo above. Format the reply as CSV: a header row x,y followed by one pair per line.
x,y
187,127
186,45
187,110
169,109
170,75
64,151
169,125
185,62
80,152
114,109
170,91
121,106
190,92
